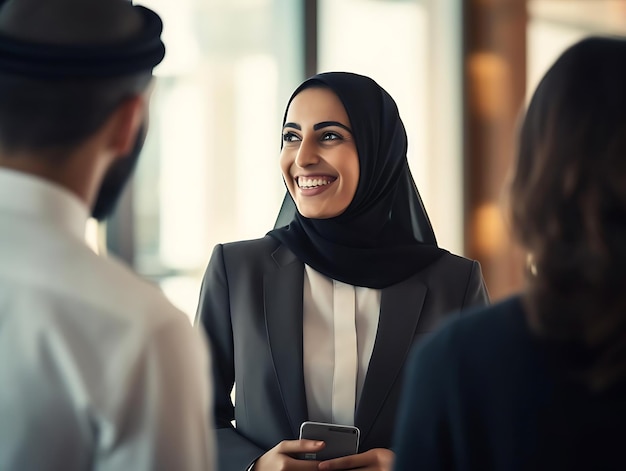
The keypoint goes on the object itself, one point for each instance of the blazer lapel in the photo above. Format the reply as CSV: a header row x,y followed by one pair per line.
x,y
283,289
400,309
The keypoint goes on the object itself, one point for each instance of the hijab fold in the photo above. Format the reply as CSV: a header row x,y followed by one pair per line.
x,y
384,236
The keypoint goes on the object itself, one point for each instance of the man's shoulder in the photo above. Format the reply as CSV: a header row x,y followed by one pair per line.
x,y
61,289
103,314
124,293
102,288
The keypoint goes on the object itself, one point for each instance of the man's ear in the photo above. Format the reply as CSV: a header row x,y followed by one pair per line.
x,y
125,123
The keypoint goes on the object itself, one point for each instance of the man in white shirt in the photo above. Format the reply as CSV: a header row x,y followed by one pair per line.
x,y
97,369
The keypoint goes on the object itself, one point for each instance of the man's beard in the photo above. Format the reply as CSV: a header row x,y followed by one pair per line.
x,y
116,178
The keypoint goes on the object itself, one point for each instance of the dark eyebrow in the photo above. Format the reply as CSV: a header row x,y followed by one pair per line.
x,y
318,126
325,124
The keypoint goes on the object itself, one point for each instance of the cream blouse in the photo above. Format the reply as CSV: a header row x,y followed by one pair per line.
x,y
339,331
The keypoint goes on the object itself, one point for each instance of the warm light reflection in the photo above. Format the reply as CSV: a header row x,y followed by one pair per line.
x,y
93,235
491,79
491,235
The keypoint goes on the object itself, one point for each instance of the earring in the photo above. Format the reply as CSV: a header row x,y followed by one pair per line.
x,y
531,264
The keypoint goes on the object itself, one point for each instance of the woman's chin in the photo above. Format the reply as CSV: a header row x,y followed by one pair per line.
x,y
318,213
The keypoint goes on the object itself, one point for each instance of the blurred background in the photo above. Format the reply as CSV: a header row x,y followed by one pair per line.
x,y
460,71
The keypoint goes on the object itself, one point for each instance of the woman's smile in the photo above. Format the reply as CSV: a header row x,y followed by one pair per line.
x,y
312,185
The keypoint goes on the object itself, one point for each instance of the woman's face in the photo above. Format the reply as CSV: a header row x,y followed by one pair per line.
x,y
319,160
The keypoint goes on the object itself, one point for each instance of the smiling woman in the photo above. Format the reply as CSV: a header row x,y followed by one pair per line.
x,y
319,160
313,322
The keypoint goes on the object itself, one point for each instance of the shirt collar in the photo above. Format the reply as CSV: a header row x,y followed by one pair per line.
x,y
33,197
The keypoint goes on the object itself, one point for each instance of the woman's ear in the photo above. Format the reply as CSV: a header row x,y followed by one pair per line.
x,y
124,125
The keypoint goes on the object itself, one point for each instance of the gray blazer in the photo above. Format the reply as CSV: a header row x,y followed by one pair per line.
x,y
251,308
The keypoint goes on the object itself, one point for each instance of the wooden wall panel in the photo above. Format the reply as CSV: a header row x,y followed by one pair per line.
x,y
494,90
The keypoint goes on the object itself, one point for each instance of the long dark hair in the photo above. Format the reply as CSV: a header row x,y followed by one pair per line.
x,y
568,205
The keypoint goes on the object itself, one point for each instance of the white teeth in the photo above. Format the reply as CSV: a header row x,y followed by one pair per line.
x,y
312,182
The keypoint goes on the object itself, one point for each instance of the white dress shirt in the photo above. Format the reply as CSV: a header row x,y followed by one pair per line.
x,y
339,331
97,369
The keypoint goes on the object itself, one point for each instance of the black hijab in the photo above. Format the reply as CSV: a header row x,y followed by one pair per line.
x,y
384,236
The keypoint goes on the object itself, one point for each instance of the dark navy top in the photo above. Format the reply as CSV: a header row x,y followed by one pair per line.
x,y
485,394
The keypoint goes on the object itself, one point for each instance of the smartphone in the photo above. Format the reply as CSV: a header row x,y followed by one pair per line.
x,y
341,440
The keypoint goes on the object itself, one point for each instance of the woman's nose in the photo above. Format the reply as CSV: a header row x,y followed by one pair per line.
x,y
307,154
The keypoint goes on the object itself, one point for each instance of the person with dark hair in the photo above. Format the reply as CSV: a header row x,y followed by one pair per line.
x,y
314,320
538,381
98,370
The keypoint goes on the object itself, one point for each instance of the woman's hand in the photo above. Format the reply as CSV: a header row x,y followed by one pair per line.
x,y
284,456
376,459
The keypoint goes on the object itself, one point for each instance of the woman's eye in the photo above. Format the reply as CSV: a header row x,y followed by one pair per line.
x,y
290,137
330,136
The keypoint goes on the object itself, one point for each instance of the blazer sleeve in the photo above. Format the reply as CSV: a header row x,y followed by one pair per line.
x,y
476,294
235,452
